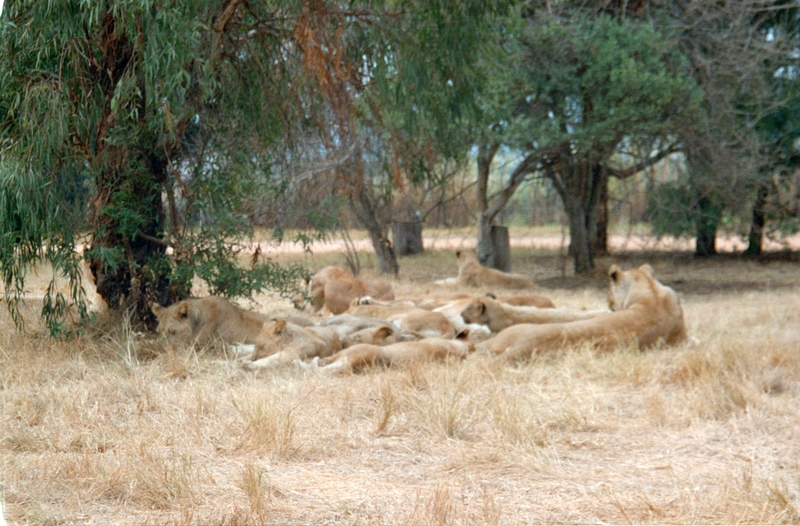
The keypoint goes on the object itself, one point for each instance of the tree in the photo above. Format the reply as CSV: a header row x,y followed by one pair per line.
x,y
151,105
575,90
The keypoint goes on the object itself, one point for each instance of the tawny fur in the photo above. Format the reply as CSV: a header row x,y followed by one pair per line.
x,y
643,309
410,320
334,288
472,274
280,342
360,356
498,315
203,320
525,300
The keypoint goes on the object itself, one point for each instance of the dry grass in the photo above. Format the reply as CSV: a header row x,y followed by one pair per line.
x,y
113,428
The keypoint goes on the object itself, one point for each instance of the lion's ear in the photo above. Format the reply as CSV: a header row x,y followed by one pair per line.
x,y
382,332
614,273
279,327
483,306
647,269
183,309
156,309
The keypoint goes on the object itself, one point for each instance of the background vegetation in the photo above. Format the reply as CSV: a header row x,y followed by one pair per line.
x,y
150,139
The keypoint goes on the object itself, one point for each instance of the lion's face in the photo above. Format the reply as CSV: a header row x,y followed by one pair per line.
x,y
463,257
272,339
623,283
174,322
476,312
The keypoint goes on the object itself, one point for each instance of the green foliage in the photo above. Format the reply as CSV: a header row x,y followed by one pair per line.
x,y
36,225
591,82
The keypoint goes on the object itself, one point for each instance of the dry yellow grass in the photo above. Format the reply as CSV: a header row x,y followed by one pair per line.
x,y
111,428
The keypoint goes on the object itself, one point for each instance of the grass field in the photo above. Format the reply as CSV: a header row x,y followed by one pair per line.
x,y
114,428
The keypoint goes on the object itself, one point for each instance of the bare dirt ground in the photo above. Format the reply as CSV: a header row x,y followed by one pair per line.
x,y
113,428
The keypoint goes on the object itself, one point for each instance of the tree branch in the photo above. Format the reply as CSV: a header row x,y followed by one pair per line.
x,y
630,171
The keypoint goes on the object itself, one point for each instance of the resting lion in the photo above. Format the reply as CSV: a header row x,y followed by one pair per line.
x,y
642,308
360,356
335,288
203,320
280,342
498,315
472,274
410,320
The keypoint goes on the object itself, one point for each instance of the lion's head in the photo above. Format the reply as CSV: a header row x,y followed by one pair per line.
x,y
175,321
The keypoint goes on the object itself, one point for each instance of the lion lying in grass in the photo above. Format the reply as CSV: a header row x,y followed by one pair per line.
x,y
472,274
360,356
642,307
203,320
498,315
334,288
281,342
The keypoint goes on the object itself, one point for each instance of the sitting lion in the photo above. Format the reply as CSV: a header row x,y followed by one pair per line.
x,y
472,274
361,356
203,320
280,342
334,288
498,315
642,308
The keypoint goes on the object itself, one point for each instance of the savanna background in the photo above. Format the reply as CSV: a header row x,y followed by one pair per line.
x,y
235,147
113,427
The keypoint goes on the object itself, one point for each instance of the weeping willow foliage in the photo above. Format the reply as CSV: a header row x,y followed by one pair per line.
x,y
167,118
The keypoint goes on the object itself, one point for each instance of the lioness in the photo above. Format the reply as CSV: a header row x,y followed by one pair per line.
x,y
642,308
334,288
202,320
498,315
381,335
525,300
281,342
410,320
360,356
472,274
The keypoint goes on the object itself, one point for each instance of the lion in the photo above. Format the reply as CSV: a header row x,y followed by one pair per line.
x,y
358,357
380,335
203,320
281,342
334,288
641,308
525,300
498,315
410,320
472,274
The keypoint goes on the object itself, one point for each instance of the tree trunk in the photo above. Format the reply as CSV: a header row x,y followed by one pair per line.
x,y
485,218
366,211
579,245
705,244
756,237
485,246
127,255
600,238
136,277
407,237
501,246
